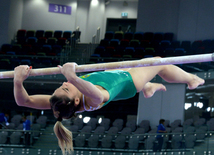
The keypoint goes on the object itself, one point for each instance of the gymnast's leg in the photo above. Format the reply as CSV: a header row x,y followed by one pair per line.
x,y
150,88
169,73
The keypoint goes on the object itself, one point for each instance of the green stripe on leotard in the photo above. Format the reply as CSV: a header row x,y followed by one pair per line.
x,y
118,83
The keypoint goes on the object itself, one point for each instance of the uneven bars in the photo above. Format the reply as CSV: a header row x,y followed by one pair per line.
x,y
119,65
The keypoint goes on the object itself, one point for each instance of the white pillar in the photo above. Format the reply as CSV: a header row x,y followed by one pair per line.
x,y
95,18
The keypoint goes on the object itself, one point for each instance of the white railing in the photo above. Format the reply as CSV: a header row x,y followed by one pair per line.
x,y
94,39
98,35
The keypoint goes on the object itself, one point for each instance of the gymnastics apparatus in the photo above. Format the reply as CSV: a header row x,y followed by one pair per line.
x,y
119,65
64,135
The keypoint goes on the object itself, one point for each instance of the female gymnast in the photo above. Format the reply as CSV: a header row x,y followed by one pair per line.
x,y
95,90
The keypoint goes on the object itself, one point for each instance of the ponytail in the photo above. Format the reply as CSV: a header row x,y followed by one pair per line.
x,y
63,107
64,137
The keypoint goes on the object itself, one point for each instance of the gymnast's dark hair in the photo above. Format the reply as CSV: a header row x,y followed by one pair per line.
x,y
64,108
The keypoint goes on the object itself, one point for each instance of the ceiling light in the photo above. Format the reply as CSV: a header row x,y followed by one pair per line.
x,y
94,2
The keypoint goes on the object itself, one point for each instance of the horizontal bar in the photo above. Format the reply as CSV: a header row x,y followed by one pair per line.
x,y
119,65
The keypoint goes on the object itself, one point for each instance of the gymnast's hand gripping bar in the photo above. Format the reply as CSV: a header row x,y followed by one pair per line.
x,y
119,65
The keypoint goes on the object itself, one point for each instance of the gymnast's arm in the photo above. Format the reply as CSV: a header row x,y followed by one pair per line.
x,y
95,95
21,96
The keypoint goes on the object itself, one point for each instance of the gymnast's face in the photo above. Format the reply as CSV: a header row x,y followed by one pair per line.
x,y
67,89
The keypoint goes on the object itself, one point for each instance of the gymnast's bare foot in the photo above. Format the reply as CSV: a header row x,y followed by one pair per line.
x,y
195,82
150,88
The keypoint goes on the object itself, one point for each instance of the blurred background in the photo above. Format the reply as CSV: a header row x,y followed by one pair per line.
x,y
45,33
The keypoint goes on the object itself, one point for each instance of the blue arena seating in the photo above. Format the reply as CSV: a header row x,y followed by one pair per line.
x,y
109,35
39,34
67,34
158,36
128,35
138,36
57,34
30,33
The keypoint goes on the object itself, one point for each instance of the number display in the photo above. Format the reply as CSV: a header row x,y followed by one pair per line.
x,y
56,8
